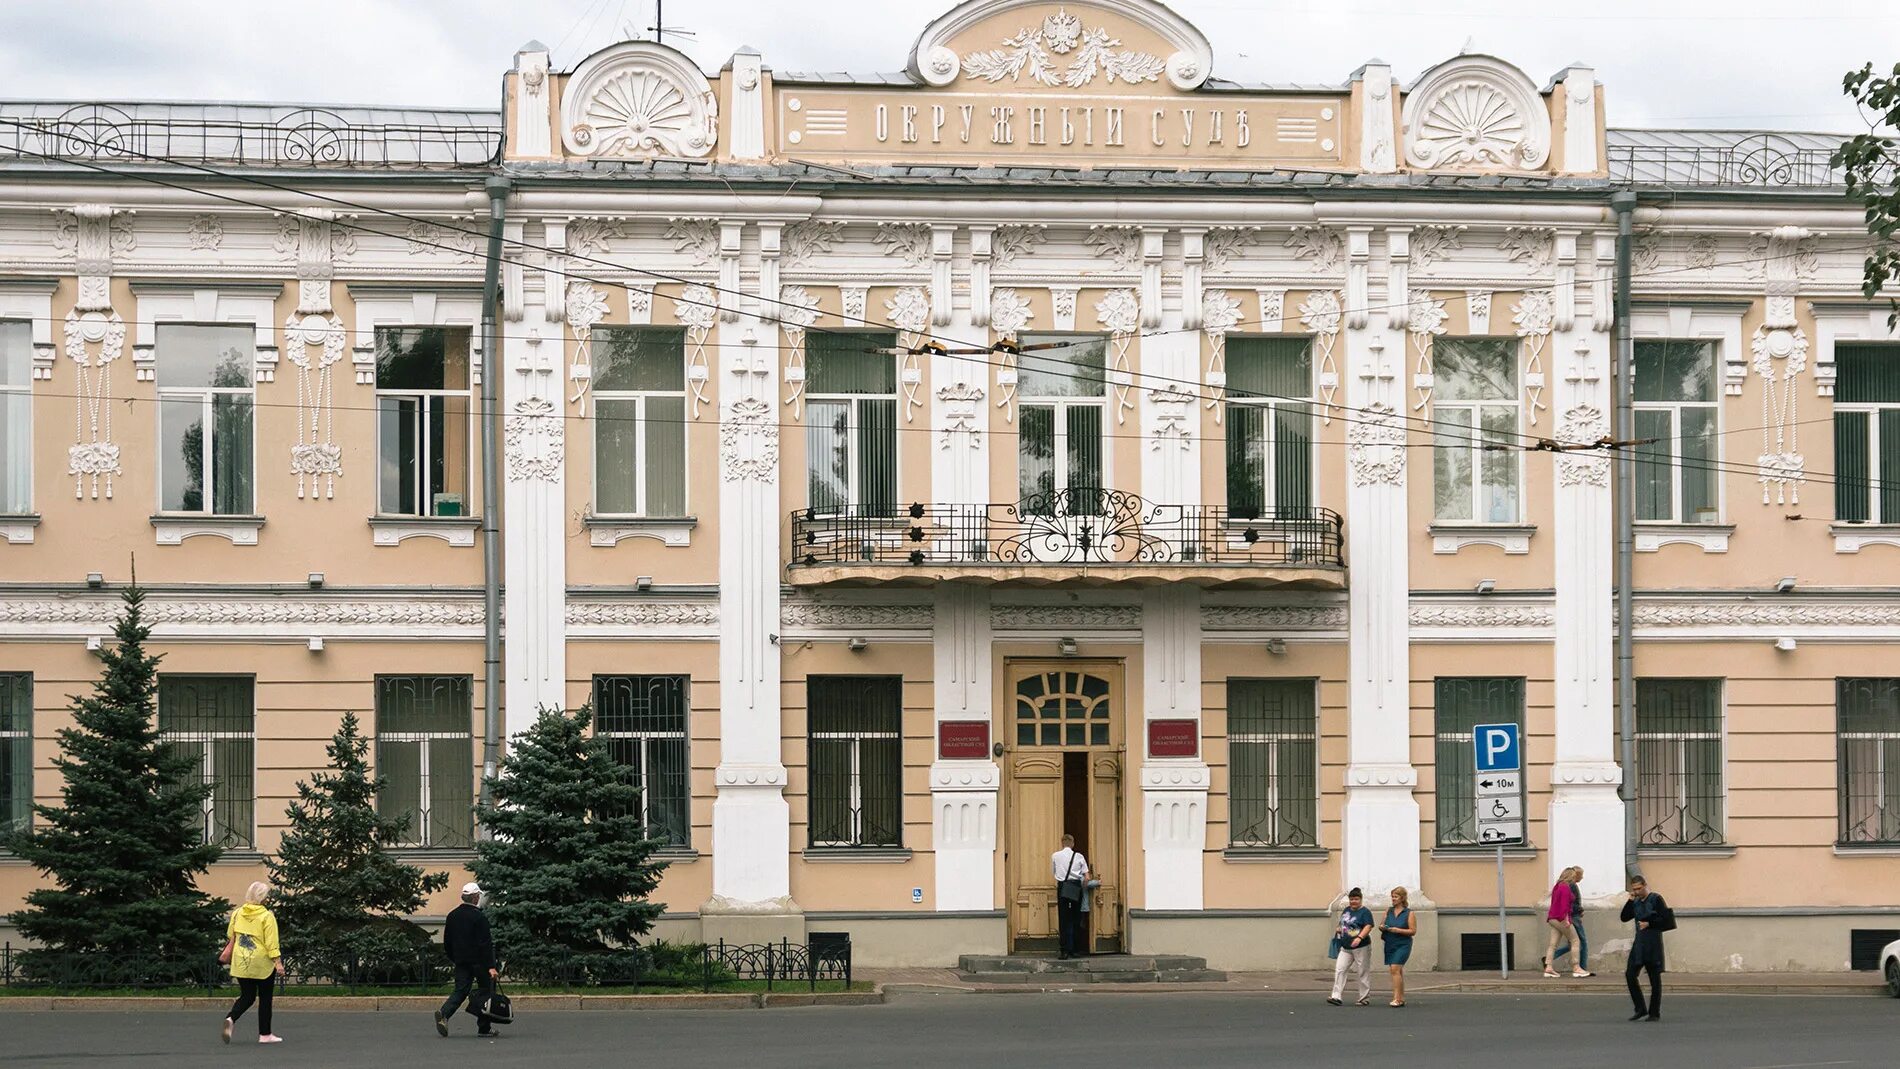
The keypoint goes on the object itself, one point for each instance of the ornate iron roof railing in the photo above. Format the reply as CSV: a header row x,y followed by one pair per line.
x,y
1757,161
299,137
1075,526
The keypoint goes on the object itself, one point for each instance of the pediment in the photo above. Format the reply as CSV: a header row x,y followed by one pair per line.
x,y
1087,46
638,100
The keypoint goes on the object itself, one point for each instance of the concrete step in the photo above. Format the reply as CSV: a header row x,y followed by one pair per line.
x,y
1102,969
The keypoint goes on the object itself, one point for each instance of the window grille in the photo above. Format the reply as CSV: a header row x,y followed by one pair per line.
x,y
1272,762
423,428
1269,427
851,421
1867,433
1475,406
1461,704
855,734
639,388
1676,413
1867,713
16,750
1679,761
205,426
213,721
1063,708
16,417
425,754
643,720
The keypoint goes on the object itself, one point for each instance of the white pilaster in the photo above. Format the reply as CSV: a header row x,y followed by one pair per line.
x,y
751,821
532,136
960,417
1586,816
1171,409
1173,789
1381,819
963,791
1580,125
534,575
1377,143
747,121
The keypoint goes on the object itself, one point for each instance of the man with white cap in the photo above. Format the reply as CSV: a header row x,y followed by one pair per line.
x,y
467,941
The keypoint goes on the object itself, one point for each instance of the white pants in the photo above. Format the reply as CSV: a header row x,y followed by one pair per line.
x,y
1353,963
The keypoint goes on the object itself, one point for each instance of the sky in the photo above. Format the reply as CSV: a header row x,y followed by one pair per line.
x,y
1756,64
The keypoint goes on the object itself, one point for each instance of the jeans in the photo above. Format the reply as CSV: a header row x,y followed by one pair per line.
x,y
258,991
1069,918
1353,963
1655,986
467,976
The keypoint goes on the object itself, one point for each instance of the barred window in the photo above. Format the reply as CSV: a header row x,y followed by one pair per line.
x,y
1269,426
1679,761
643,720
1460,705
1272,762
1867,715
16,750
857,765
426,757
213,721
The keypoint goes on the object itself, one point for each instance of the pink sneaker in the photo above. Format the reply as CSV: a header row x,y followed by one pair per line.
x,y
270,1039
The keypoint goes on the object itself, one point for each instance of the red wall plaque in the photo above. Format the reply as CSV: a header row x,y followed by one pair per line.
x,y
963,739
1174,738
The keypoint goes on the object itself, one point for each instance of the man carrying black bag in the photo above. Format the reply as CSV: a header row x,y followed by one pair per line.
x,y
1071,871
469,944
1652,917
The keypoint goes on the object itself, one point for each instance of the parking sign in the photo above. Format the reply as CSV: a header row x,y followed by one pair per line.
x,y
1500,787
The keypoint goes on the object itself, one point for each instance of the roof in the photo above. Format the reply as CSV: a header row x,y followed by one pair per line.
x,y
846,79
1731,158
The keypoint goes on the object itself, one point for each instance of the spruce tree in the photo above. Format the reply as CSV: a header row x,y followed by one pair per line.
x,y
125,847
567,866
342,901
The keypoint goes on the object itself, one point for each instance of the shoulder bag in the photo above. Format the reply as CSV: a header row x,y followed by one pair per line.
x,y
1070,889
1664,919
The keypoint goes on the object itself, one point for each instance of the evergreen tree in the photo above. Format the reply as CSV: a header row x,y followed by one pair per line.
x,y
567,865
125,847
340,896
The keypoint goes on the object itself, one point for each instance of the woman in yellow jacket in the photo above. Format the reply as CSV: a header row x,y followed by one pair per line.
x,y
251,949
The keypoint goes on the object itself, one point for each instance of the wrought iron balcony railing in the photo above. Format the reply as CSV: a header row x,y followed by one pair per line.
x,y
253,135
1077,527
1759,161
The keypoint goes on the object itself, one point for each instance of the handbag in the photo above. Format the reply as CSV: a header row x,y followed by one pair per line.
x,y
500,1010
1663,921
1070,889
224,956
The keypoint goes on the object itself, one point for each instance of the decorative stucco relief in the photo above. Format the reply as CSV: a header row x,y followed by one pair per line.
x,y
534,441
748,442
1063,51
1475,112
638,99
94,340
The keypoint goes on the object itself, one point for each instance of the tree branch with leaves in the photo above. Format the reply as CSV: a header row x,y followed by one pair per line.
x,y
1870,163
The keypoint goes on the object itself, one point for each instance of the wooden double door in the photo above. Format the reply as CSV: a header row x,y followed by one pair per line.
x,y
1064,768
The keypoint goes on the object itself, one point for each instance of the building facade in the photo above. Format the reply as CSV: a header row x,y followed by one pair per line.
x,y
1047,437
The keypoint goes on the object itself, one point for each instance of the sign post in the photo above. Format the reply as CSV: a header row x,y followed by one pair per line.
x,y
1500,806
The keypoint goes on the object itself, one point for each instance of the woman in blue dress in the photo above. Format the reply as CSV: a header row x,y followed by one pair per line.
x,y
1397,928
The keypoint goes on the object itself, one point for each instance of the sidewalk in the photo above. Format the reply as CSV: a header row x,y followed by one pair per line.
x,y
1318,983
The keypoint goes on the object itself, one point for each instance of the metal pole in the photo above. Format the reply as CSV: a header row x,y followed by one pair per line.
x,y
1623,203
1504,939
497,189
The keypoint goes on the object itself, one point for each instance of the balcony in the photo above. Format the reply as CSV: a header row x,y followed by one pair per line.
x,y
1073,537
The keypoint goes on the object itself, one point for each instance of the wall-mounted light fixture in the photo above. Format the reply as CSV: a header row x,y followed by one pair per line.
x,y
643,582
1276,646
1066,647
316,645
94,644
1784,585
315,579
1486,586
95,580
1785,644
856,645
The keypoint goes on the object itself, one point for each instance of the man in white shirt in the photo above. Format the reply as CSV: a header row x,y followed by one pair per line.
x,y
1068,864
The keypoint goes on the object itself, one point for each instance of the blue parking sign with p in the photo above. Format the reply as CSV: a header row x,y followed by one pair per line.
x,y
1496,746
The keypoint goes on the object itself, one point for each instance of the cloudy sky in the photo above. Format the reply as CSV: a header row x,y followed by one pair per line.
x,y
1708,63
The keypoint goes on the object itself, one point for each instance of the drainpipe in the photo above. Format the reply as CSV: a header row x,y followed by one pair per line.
x,y
497,189
1623,203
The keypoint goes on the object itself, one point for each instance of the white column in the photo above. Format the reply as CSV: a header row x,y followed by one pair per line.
x,y
534,559
1173,789
751,821
1586,816
963,790
1382,825
1170,410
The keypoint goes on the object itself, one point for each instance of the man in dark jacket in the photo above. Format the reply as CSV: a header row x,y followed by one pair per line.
x,y
468,943
1650,913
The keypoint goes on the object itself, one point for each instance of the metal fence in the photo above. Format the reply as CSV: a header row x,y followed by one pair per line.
x,y
308,137
1073,526
1758,161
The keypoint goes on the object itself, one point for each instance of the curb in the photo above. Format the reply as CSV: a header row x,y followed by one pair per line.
x,y
423,1003
1454,988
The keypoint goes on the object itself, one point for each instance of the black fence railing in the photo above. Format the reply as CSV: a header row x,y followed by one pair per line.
x,y
1077,526
826,958
1758,161
308,137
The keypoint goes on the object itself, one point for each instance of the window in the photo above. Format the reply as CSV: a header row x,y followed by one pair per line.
x,y
213,721
1269,427
1459,706
640,421
856,760
1679,761
643,719
1272,762
426,758
1867,713
851,421
1063,393
1867,433
205,433
1676,398
16,751
1063,708
422,421
16,417
1474,448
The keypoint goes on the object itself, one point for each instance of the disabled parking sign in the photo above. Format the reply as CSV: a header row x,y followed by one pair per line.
x,y
1500,784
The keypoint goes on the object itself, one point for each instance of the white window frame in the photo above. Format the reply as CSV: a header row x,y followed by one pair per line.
x,y
1872,409
855,793
1273,742
1675,410
642,737
20,736
1471,438
639,399
1272,404
207,398
854,423
208,769
1061,405
21,389
422,835
468,393
1679,769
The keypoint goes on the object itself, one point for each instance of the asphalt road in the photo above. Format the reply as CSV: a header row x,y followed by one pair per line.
x,y
1087,1031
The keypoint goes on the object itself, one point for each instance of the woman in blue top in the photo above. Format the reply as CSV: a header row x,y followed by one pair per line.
x,y
1351,951
1398,931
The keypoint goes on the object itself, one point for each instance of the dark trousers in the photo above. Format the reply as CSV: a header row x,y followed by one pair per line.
x,y
258,991
1655,986
1069,918
467,976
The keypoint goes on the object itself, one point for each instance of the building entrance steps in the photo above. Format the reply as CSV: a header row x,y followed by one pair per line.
x,y
1098,969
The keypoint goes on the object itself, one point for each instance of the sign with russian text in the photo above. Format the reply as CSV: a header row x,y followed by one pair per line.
x,y
1174,738
963,740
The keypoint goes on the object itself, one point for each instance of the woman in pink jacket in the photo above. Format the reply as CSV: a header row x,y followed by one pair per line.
x,y
1563,901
